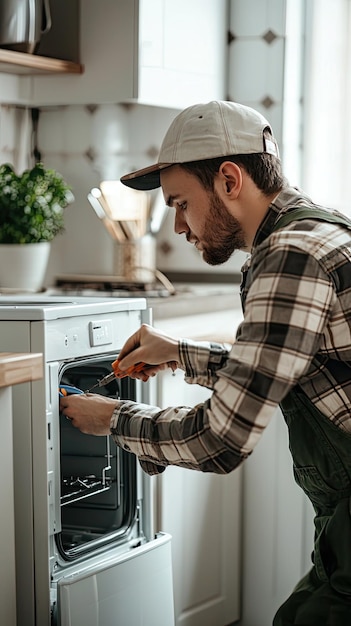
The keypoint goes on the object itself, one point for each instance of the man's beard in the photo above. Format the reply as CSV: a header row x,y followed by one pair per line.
x,y
222,235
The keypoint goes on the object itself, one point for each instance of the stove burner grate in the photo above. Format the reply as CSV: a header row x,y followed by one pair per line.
x,y
80,284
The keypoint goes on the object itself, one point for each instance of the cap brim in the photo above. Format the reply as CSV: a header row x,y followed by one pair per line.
x,y
145,179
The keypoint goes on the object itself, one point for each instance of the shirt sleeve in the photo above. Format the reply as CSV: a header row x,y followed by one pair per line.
x,y
287,306
170,436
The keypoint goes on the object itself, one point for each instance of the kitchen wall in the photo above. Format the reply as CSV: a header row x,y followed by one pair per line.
x,y
88,144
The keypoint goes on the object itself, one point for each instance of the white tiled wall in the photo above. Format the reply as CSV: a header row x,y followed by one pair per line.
x,y
90,143
257,57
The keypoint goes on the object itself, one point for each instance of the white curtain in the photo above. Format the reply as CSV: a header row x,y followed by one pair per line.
x,y
326,136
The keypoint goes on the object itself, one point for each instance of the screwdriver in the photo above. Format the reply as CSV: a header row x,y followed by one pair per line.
x,y
117,373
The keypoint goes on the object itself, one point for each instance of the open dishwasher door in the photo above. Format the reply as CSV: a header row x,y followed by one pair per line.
x,y
129,589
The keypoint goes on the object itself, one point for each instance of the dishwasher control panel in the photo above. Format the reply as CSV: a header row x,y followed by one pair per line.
x,y
100,332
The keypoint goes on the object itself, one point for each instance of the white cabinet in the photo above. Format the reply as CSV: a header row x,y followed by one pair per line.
x,y
182,48
160,52
277,528
7,523
202,512
15,368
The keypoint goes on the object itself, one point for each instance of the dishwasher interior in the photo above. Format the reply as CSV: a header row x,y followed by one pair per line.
x,y
98,499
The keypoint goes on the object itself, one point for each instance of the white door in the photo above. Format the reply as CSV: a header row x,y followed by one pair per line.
x,y
202,513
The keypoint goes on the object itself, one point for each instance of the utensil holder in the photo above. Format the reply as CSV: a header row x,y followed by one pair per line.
x,y
135,260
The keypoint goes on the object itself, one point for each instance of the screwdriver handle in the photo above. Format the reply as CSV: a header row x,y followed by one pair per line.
x,y
131,370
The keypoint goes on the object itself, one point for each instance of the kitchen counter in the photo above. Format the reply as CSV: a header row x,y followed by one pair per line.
x,y
195,299
14,368
19,368
188,298
200,312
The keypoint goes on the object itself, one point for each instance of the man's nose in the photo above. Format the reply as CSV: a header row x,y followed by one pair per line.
x,y
180,225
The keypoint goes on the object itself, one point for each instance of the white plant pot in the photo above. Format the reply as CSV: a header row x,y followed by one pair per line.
x,y
23,266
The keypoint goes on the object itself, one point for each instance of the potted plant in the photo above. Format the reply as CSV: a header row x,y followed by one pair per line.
x,y
31,215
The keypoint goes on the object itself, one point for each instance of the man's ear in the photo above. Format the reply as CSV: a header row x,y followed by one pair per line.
x,y
230,178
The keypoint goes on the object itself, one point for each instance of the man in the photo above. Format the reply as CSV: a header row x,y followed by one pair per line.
x,y
220,171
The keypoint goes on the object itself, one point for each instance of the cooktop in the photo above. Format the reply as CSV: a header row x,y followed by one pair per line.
x,y
115,286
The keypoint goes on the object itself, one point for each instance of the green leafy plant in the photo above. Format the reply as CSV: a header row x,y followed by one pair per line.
x,y
32,204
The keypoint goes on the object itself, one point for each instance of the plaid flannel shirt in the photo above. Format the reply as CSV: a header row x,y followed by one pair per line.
x,y
296,296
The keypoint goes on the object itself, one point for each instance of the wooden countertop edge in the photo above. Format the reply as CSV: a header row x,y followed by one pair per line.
x,y
17,367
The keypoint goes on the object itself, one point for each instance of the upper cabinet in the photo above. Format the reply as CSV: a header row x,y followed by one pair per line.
x,y
182,51
160,52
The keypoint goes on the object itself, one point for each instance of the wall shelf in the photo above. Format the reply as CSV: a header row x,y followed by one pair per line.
x,y
12,62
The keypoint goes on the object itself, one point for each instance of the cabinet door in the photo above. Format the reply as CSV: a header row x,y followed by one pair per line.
x,y
278,537
182,48
7,523
109,54
202,513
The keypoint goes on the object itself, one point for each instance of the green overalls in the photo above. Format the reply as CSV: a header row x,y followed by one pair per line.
x,y
322,467
321,455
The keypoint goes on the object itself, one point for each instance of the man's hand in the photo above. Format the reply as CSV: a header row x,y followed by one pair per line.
x,y
153,347
90,413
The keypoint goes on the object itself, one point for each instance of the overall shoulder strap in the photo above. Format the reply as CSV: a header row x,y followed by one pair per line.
x,y
301,213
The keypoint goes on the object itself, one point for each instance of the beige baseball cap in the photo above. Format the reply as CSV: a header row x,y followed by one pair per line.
x,y
206,131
